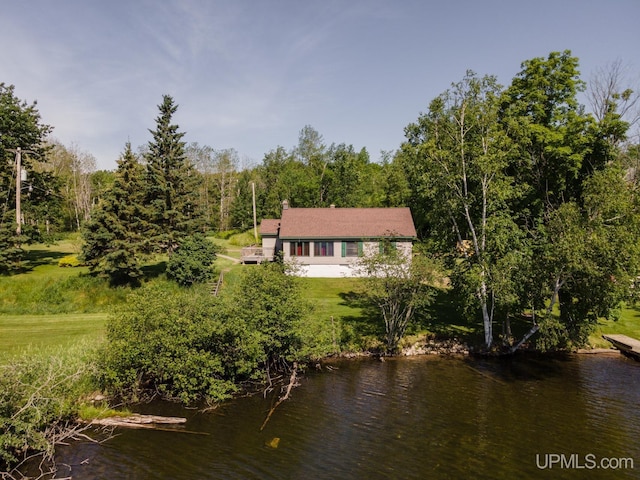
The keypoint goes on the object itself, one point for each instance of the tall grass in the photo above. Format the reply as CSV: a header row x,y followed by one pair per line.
x,y
40,394
38,294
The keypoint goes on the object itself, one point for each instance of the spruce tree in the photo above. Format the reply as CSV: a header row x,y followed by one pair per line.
x,y
114,235
171,185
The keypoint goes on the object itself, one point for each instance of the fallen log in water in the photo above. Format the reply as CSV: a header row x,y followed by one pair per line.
x,y
137,420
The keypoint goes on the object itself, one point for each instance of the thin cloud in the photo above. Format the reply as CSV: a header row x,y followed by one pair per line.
x,y
249,75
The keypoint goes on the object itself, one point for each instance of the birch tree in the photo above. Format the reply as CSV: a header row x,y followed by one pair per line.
x,y
462,152
73,169
225,178
202,157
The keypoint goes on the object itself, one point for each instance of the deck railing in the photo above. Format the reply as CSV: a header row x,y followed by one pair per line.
x,y
256,254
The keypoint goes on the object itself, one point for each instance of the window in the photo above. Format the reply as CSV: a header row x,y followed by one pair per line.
x,y
351,249
323,249
299,249
386,247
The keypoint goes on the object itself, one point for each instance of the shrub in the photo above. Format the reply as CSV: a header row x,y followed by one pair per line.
x,y
39,398
69,261
192,346
271,303
193,261
177,343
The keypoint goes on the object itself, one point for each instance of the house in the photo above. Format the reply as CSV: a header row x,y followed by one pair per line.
x,y
326,242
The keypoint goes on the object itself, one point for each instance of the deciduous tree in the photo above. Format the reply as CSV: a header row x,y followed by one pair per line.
x,y
461,151
20,127
399,286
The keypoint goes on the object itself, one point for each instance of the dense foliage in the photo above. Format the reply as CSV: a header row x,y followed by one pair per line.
x,y
145,209
513,184
39,398
191,346
171,185
193,261
20,128
113,238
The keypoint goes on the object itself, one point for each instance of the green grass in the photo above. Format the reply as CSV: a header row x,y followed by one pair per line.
x,y
97,412
231,245
47,305
628,324
333,297
19,333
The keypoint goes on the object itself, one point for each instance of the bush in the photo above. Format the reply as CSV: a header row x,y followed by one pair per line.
x,y
193,261
69,261
192,346
39,399
271,303
177,343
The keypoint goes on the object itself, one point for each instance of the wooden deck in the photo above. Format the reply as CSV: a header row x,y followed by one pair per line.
x,y
255,254
627,345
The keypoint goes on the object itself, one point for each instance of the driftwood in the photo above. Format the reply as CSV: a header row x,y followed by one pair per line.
x,y
292,382
150,422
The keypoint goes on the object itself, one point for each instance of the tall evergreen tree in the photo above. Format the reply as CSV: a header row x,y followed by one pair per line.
x,y
113,237
172,184
20,127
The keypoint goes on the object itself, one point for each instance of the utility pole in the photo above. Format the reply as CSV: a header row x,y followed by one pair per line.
x,y
18,189
255,223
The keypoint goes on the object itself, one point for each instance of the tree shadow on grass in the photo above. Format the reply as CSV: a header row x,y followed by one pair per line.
x,y
154,270
36,257
444,319
369,323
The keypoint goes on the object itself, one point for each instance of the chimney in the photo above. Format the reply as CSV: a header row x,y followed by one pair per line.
x,y
285,205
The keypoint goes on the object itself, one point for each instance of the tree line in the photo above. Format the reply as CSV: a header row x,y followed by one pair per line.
x,y
528,200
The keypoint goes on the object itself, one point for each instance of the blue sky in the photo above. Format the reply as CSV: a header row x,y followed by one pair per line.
x,y
250,75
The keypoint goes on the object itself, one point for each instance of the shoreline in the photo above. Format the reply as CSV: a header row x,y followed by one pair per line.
x,y
448,347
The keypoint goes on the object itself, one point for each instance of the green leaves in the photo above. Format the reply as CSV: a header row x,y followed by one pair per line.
x,y
190,346
169,341
20,127
193,261
114,237
399,286
522,191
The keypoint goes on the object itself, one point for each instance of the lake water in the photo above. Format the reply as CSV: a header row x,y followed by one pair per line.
x,y
405,418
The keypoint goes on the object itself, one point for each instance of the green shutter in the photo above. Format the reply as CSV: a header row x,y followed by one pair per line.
x,y
344,249
360,248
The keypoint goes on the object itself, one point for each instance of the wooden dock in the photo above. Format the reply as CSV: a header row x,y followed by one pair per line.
x,y
627,345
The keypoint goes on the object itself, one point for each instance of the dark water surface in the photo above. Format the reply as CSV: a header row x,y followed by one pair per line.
x,y
406,418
